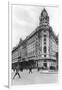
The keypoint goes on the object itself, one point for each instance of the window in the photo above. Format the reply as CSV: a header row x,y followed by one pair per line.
x,y
44,42
44,30
44,49
31,48
44,55
44,39
44,35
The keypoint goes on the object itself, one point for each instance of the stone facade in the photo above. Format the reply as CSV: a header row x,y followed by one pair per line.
x,y
41,45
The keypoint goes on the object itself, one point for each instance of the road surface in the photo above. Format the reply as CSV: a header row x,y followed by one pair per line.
x,y
34,78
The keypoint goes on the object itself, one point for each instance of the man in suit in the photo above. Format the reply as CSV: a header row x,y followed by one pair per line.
x,y
17,71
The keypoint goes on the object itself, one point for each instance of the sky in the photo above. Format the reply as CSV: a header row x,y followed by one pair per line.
x,y
25,19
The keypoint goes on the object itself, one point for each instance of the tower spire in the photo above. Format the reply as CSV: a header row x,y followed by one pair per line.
x,y
44,18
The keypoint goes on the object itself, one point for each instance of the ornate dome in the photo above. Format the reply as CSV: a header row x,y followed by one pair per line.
x,y
44,18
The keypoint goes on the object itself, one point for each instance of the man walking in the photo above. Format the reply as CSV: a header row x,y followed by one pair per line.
x,y
30,69
17,71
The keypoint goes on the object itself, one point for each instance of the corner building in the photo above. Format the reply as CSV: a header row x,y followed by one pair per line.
x,y
41,45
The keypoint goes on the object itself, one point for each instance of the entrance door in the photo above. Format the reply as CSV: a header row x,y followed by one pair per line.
x,y
45,65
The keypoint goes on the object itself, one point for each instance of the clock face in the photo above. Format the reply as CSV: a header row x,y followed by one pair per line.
x,y
44,14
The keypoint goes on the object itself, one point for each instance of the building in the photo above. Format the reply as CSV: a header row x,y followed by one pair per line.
x,y
40,46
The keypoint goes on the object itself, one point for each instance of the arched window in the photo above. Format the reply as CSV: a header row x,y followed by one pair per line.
x,y
44,39
45,49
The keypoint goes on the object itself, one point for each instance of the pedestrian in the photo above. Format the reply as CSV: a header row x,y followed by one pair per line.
x,y
17,69
30,69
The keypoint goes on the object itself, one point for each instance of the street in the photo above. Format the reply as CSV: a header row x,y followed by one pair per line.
x,y
34,78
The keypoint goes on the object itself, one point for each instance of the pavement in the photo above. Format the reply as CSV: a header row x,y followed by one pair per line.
x,y
41,77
